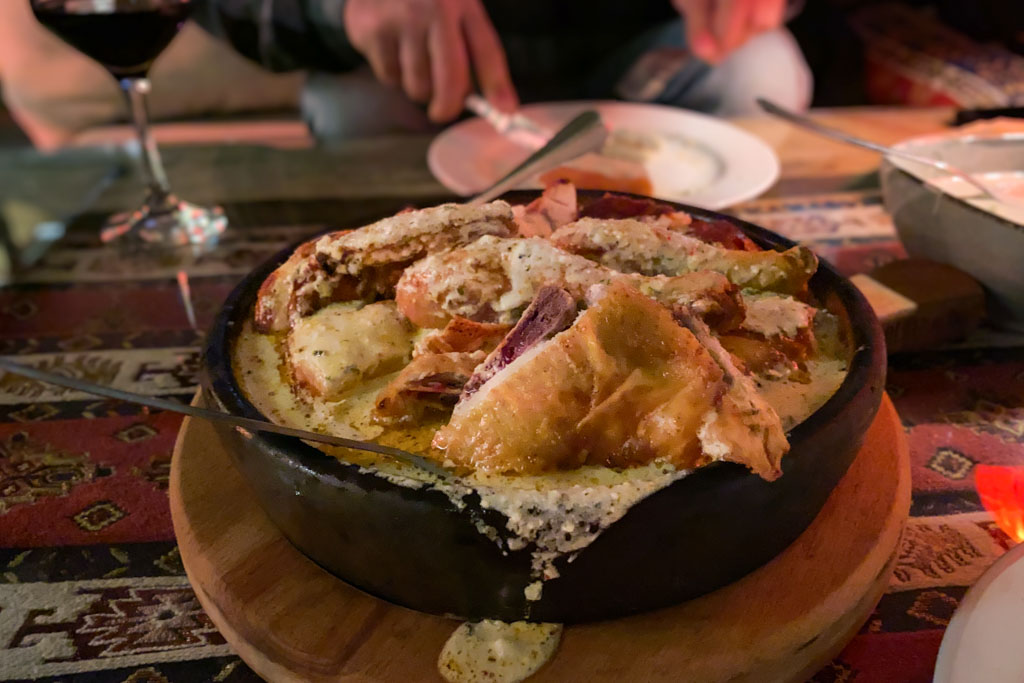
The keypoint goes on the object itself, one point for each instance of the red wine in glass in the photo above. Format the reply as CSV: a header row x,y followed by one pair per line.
x,y
126,40
126,36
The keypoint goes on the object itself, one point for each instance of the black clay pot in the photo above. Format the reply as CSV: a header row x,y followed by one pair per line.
x,y
414,548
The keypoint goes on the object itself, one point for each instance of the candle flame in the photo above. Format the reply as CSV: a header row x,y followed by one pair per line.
x,y
1001,489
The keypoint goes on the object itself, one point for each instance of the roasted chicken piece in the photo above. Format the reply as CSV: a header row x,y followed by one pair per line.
x,y
430,382
625,385
555,207
434,380
550,312
366,263
339,346
462,335
749,425
494,279
775,337
639,246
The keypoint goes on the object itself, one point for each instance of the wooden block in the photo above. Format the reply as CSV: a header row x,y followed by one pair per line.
x,y
292,621
889,305
950,304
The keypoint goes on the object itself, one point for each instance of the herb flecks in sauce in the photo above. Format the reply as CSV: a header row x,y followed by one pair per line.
x,y
550,515
496,651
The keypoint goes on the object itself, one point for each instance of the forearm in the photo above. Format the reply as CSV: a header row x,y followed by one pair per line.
x,y
283,35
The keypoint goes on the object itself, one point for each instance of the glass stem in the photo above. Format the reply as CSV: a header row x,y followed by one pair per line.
x,y
136,90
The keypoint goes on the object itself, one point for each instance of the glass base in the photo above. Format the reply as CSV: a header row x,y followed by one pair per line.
x,y
168,223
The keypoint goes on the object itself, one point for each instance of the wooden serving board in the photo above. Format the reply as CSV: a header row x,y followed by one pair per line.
x,y
292,621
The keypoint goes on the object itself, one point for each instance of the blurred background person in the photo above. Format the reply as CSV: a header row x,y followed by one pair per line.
x,y
364,67
55,92
392,65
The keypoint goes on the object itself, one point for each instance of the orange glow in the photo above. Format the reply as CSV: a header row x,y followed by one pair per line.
x,y
1002,493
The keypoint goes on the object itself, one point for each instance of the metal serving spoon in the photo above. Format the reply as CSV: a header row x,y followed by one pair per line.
x,y
835,134
585,133
243,424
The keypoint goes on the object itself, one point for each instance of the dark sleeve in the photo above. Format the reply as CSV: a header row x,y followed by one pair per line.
x,y
282,35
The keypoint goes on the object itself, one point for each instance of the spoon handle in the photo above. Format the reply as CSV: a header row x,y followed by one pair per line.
x,y
836,134
812,125
585,133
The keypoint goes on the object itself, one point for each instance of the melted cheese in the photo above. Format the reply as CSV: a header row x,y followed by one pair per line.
x,y
437,226
773,316
507,273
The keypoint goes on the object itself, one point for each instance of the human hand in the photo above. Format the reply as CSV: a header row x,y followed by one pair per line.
x,y
427,47
714,28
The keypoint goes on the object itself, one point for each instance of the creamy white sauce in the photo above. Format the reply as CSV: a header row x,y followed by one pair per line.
x,y
496,651
1008,183
676,165
552,515
794,400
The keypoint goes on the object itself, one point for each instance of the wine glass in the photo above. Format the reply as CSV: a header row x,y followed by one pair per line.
x,y
125,36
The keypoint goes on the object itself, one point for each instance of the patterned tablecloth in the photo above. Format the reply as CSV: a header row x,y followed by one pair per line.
x,y
91,583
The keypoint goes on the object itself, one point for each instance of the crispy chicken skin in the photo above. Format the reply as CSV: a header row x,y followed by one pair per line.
x,y
494,279
749,426
636,246
366,263
625,385
462,335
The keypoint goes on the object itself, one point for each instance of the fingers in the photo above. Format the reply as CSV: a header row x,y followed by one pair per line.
x,y
449,66
715,28
415,65
768,15
382,54
426,47
698,28
728,24
488,58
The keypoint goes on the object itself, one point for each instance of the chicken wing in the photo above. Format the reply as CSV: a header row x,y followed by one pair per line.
x,y
366,263
637,246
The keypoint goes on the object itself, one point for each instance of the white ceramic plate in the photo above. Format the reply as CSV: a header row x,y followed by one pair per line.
x,y
701,160
983,639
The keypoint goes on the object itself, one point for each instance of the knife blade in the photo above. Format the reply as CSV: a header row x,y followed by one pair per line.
x,y
243,424
517,127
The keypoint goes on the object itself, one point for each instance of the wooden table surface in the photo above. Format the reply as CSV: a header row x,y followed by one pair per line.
x,y
277,161
812,164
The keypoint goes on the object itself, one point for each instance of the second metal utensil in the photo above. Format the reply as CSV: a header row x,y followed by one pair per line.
x,y
585,133
829,132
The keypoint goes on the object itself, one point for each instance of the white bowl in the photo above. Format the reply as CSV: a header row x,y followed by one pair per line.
x,y
938,226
